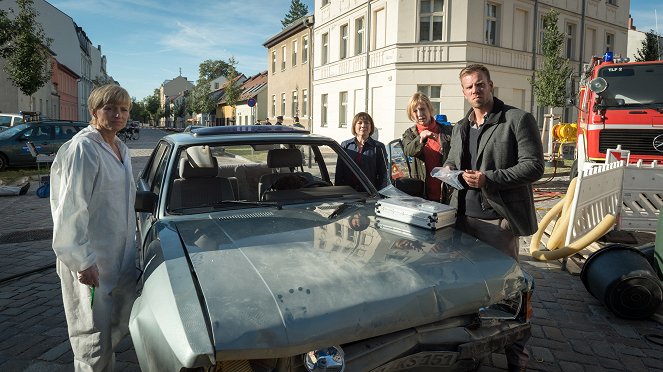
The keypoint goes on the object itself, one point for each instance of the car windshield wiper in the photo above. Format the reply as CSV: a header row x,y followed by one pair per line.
x,y
229,202
249,203
343,207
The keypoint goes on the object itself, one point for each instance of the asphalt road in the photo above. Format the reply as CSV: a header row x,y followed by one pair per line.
x,y
572,331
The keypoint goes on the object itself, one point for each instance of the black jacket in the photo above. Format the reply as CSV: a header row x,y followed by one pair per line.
x,y
373,163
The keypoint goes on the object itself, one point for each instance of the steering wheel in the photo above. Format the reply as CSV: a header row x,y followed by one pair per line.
x,y
316,183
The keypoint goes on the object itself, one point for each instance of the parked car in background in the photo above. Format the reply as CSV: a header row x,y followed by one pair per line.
x,y
10,120
47,137
255,260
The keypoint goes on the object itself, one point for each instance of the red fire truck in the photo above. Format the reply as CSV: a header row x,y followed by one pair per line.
x,y
621,103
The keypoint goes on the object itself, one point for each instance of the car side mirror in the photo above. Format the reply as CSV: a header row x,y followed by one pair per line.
x,y
146,201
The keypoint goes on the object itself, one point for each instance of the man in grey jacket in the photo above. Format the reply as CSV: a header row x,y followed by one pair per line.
x,y
499,148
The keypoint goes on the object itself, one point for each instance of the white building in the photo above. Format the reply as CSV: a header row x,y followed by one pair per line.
x,y
635,39
72,49
393,48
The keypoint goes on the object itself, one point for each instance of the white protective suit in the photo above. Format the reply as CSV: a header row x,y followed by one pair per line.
x,y
92,203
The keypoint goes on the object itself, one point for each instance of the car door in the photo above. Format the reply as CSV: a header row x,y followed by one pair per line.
x,y
151,180
43,138
401,170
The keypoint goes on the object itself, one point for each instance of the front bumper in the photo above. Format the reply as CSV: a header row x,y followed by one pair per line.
x,y
448,345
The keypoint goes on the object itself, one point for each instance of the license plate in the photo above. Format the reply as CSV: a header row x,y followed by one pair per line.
x,y
430,359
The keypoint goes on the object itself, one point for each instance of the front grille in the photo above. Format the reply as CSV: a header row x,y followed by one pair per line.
x,y
638,141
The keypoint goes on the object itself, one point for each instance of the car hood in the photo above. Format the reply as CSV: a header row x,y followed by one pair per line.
x,y
275,281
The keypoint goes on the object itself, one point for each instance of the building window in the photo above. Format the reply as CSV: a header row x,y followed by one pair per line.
x,y
304,49
433,92
273,61
542,28
304,102
609,42
216,86
323,110
344,42
282,103
343,109
294,52
379,28
325,48
491,24
274,105
294,108
359,35
325,2
431,15
570,46
611,2
283,54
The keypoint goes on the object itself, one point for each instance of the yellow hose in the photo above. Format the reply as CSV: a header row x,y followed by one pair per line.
x,y
555,251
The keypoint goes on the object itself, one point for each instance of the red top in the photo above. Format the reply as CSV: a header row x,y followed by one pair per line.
x,y
432,159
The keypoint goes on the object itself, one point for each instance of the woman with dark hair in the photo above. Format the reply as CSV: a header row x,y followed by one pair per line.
x,y
369,154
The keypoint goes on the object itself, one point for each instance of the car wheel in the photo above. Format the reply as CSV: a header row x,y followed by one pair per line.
x,y
3,162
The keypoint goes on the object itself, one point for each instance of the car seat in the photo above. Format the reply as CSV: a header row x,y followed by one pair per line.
x,y
280,161
198,184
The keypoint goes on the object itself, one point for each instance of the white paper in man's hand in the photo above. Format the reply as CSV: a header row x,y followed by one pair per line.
x,y
448,176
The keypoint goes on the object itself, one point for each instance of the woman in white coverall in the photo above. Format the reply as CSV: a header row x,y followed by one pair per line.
x,y
92,203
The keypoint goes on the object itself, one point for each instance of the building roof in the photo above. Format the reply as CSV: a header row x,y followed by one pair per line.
x,y
293,28
253,85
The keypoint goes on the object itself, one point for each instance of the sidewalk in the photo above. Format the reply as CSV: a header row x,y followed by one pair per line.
x,y
571,330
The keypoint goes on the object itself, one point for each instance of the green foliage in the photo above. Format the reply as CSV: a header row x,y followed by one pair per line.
x,y
138,111
550,82
199,99
151,106
232,89
179,108
28,59
649,49
7,33
297,10
212,69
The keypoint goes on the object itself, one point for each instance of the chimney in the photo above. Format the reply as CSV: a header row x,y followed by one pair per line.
x,y
630,23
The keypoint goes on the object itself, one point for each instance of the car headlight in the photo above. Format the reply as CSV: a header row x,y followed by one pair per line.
x,y
508,308
326,359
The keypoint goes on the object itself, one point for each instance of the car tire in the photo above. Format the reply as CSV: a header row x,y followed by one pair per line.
x,y
3,162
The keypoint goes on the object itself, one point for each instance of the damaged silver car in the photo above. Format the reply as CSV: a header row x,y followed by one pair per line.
x,y
254,259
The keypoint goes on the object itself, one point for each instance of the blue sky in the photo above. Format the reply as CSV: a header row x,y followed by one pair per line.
x,y
148,41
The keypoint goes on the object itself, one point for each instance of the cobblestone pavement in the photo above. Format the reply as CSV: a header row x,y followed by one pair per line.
x,y
571,330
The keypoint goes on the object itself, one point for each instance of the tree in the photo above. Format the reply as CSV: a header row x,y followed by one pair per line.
x,y
212,69
297,11
151,105
200,99
26,52
232,89
7,33
179,109
649,50
550,83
